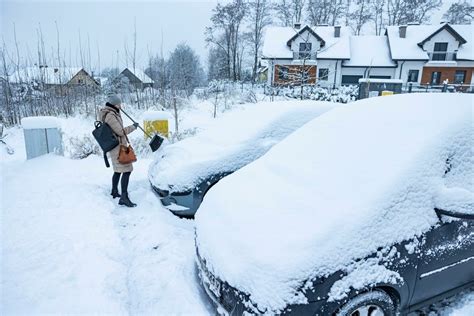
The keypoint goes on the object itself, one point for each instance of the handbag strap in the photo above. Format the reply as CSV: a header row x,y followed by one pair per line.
x,y
126,137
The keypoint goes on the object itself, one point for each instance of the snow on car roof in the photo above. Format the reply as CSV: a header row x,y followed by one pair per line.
x,y
360,177
231,142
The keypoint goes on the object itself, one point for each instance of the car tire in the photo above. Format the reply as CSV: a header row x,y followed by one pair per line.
x,y
374,303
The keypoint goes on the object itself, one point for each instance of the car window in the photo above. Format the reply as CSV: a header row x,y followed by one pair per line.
x,y
456,193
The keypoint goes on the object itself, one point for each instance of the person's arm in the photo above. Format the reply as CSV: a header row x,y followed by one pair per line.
x,y
114,124
129,129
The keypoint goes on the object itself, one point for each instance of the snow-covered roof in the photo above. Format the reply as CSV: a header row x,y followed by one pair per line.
x,y
369,50
40,122
407,48
359,177
48,75
140,74
276,39
232,142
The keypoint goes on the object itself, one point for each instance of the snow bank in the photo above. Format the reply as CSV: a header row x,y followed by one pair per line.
x,y
231,142
60,251
40,122
156,115
359,177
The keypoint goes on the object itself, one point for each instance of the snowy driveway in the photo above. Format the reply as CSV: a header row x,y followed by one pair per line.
x,y
68,248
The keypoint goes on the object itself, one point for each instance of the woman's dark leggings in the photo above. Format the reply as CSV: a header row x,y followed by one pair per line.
x,y
124,183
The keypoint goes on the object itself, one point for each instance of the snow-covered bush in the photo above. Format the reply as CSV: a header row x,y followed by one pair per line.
x,y
342,94
80,147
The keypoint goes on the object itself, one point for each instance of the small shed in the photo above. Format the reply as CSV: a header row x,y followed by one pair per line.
x,y
370,87
42,136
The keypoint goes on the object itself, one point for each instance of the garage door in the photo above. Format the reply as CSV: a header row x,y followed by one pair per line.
x,y
346,79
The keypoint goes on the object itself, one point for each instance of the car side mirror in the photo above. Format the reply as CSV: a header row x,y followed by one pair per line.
x,y
462,215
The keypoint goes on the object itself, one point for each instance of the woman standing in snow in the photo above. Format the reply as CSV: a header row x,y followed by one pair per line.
x,y
110,114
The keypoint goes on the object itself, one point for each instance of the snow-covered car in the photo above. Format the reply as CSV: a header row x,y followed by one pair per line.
x,y
366,210
184,172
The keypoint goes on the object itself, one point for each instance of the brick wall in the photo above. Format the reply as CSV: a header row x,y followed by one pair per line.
x,y
446,73
294,73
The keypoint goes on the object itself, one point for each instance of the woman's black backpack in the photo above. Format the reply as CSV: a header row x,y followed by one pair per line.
x,y
105,137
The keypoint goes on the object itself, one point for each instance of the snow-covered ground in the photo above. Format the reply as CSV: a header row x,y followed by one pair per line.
x,y
68,248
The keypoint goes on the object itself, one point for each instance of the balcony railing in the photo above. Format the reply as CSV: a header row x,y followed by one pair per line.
x,y
304,55
442,56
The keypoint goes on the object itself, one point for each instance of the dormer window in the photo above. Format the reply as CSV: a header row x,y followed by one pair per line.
x,y
305,50
440,50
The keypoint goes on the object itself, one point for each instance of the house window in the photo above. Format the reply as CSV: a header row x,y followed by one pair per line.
x,y
80,81
283,73
440,50
350,79
435,77
305,50
323,74
460,76
413,75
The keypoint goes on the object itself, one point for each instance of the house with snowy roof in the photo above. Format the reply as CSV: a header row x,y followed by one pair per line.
x,y
432,54
136,77
331,56
58,78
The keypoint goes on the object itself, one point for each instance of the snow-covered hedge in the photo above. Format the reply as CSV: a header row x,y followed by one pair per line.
x,y
342,94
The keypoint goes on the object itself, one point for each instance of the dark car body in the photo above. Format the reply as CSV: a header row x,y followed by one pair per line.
x,y
185,204
438,264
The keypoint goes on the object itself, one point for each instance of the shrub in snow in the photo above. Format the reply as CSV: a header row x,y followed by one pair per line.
x,y
342,94
80,147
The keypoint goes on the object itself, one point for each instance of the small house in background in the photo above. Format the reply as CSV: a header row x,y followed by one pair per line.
x,y
136,77
58,78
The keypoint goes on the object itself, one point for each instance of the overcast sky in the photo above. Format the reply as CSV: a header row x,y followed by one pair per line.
x,y
107,25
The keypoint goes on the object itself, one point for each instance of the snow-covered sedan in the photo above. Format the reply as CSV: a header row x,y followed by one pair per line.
x,y
366,210
186,170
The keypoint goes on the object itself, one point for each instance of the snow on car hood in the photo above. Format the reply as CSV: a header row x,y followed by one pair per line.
x,y
359,177
231,142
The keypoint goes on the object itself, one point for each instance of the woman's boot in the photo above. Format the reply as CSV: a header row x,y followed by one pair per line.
x,y
124,199
115,180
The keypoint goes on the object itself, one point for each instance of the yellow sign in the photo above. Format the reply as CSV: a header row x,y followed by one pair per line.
x,y
157,126
387,92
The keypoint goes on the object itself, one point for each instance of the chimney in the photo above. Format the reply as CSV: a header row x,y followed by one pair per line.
x,y
337,31
297,25
402,31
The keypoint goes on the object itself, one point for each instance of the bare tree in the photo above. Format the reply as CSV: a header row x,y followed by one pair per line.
x,y
405,11
377,9
290,12
185,70
461,12
225,33
420,10
326,11
360,16
259,17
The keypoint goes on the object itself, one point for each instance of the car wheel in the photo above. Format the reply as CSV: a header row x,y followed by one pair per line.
x,y
375,303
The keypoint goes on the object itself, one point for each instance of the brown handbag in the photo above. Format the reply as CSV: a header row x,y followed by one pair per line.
x,y
126,153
